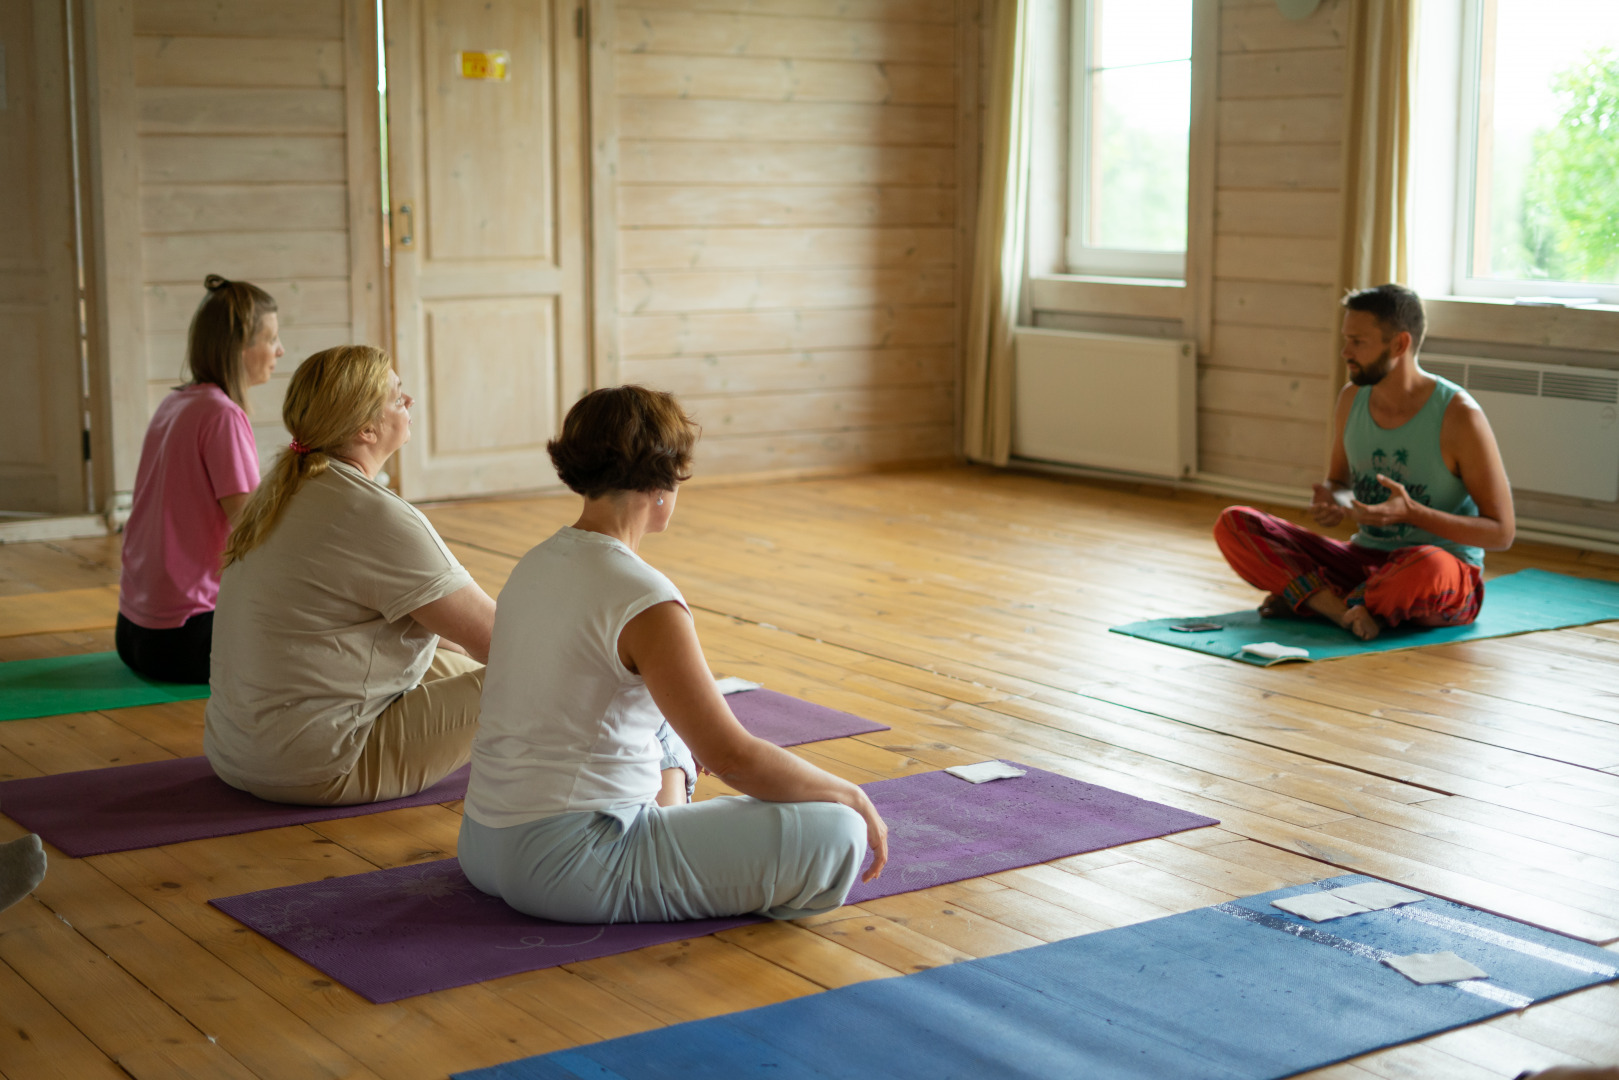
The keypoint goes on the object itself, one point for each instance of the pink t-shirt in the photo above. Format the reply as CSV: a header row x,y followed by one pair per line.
x,y
198,450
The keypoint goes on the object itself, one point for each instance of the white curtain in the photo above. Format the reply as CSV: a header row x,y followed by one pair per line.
x,y
999,241
1377,146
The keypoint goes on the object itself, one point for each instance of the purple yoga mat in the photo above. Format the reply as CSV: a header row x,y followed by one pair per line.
x,y
392,934
166,802
787,721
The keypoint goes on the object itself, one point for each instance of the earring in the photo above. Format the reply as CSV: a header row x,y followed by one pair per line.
x,y
660,502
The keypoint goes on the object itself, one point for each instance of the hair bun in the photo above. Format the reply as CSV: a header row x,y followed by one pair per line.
x,y
214,281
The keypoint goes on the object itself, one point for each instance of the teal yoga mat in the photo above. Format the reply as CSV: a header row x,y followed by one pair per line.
x,y
74,684
1513,604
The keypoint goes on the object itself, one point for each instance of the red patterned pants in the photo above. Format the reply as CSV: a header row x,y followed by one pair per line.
x,y
1426,585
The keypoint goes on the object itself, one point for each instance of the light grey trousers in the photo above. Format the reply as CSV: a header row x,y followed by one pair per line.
x,y
724,856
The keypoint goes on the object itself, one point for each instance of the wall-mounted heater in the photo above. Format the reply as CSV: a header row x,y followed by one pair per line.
x,y
1558,427
1105,401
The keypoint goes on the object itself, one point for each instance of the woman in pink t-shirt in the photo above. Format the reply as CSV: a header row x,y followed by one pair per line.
x,y
198,465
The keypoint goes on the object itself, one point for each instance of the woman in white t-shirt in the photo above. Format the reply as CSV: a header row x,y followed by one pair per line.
x,y
578,806
331,685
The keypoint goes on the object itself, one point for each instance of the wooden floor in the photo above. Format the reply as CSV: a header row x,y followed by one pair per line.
x,y
969,610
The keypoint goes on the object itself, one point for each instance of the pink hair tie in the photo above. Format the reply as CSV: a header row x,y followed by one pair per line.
x,y
299,448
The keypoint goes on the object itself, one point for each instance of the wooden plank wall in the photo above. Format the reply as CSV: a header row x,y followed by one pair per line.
x,y
41,464
244,117
1266,388
787,211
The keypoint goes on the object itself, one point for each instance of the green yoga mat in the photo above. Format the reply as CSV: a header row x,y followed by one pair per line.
x,y
73,684
1513,604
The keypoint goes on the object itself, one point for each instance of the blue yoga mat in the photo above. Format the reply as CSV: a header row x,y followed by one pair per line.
x,y
1513,604
81,683
1239,991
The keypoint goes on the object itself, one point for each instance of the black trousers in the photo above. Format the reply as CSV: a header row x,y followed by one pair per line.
x,y
179,655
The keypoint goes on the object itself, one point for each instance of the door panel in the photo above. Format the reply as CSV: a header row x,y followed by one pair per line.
x,y
488,192
490,154
489,365
42,409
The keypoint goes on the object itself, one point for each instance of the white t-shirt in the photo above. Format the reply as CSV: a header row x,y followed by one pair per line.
x,y
565,726
312,633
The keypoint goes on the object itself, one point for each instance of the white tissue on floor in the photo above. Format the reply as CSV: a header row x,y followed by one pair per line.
x,y
1271,650
1318,906
985,770
1377,895
1434,967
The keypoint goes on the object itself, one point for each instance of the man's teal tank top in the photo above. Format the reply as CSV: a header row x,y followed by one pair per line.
x,y
1409,454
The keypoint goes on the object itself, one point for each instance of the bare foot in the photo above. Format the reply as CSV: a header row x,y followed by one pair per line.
x,y
1357,620
1274,607
1360,622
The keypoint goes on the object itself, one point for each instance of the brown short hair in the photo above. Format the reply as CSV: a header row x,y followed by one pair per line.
x,y
1396,308
624,438
225,323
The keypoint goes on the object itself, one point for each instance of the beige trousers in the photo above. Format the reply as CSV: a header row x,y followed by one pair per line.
x,y
421,738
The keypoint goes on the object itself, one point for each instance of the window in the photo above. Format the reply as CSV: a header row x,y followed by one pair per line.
x,y
1129,126
1534,175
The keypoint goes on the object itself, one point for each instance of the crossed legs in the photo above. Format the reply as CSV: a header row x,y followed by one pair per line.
x,y
1360,589
421,738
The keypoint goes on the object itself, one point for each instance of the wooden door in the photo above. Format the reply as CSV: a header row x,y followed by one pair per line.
x,y
42,458
488,234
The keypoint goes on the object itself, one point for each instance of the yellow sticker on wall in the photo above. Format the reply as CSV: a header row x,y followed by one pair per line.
x,y
495,64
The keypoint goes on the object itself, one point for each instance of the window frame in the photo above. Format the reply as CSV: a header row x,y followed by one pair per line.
x,y
1469,26
1080,258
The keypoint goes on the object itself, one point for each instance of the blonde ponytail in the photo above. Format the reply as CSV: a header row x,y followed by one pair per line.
x,y
332,397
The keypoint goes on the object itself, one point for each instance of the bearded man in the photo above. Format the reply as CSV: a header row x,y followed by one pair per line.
x,y
1414,464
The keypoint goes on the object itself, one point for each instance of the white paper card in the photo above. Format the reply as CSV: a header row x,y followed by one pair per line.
x,y
733,685
985,770
1318,906
1434,967
1271,650
1377,895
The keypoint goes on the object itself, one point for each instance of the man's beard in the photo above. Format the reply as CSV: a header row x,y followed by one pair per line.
x,y
1373,373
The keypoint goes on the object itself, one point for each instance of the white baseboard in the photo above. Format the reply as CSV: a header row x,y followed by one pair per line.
x,y
1202,483
1574,536
1535,530
71,527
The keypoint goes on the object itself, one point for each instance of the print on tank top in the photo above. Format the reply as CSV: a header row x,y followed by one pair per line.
x,y
1370,492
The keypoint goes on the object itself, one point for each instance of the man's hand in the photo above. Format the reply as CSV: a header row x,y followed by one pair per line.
x,y
1396,510
1324,507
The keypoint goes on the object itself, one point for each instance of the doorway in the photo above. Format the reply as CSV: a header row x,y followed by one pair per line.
x,y
487,158
44,434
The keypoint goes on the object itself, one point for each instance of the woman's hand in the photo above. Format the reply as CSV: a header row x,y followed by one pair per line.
x,y
876,835
661,645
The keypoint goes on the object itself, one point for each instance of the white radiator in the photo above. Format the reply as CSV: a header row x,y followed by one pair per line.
x,y
1558,427
1105,401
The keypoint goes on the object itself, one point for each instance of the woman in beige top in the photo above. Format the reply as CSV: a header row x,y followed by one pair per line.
x,y
348,641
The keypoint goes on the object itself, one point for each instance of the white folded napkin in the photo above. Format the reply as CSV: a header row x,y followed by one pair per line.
x,y
985,770
1434,967
1377,895
1272,650
1349,900
1318,906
